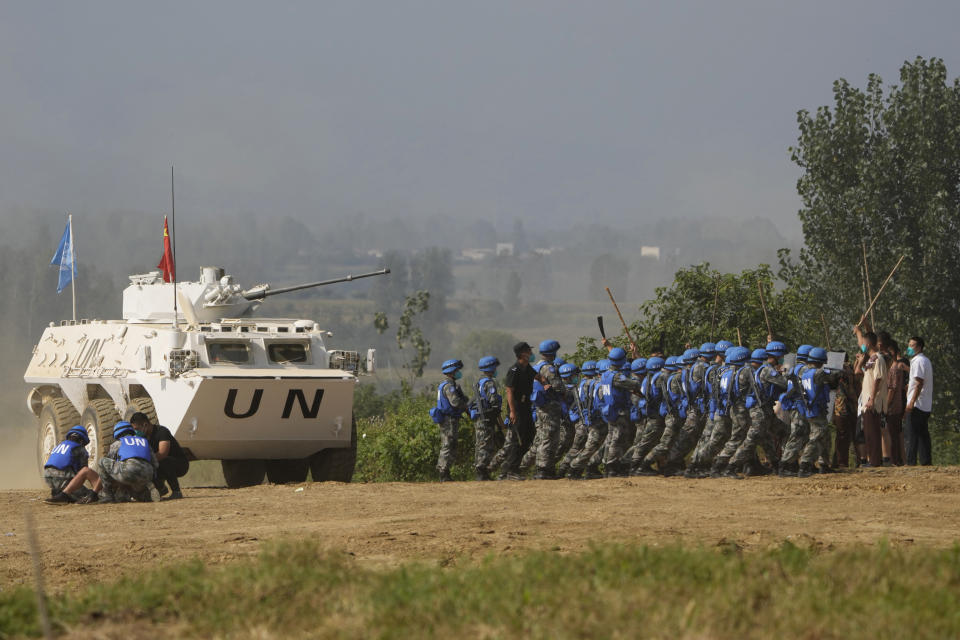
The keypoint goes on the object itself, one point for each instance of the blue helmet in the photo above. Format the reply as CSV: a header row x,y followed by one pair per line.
x,y
568,370
737,355
559,362
589,368
722,346
655,363
671,363
802,352
549,347
121,428
639,365
776,349
690,356
708,350
758,355
602,365
617,357
449,366
488,363
81,434
817,354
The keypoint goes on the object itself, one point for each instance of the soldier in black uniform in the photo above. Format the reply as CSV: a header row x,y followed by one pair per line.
x,y
519,386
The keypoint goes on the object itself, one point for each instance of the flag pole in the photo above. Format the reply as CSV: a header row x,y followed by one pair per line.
x,y
173,241
73,267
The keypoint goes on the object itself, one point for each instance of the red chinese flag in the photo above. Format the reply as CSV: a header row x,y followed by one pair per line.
x,y
166,263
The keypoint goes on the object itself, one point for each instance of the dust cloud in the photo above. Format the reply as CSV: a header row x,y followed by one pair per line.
x,y
18,458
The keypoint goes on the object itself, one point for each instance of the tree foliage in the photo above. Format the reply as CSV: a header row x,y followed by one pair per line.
x,y
881,170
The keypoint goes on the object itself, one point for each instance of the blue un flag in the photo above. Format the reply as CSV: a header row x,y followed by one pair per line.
x,y
63,258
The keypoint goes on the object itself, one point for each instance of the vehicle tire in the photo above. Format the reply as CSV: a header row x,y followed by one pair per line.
x,y
243,473
142,405
286,471
56,417
335,465
98,419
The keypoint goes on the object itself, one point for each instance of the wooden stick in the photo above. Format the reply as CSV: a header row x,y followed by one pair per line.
x,y
763,305
739,339
636,352
866,272
826,331
870,308
716,299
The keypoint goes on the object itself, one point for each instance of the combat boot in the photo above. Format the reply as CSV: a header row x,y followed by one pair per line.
x,y
593,472
825,468
731,472
717,469
562,470
693,472
482,474
806,470
575,474
445,475
542,474
60,497
788,469
645,469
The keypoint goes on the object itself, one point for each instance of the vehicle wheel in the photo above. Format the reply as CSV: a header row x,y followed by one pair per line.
x,y
98,419
56,418
243,473
143,405
285,471
335,465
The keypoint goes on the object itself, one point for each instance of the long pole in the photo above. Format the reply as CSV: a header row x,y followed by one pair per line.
x,y
739,339
173,241
73,267
763,305
826,331
866,273
866,300
633,344
882,287
716,299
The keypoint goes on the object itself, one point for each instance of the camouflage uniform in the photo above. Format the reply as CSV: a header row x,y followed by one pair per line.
x,y
672,421
581,428
125,479
819,429
740,418
618,425
654,426
450,427
764,382
57,479
694,423
706,449
487,425
799,427
549,417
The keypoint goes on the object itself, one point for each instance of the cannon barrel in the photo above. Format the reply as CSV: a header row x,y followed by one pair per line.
x,y
262,291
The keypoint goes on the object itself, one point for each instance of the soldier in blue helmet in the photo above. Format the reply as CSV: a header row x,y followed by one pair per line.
x,y
693,381
583,404
68,460
652,389
673,410
549,415
128,469
638,409
735,385
570,374
816,383
718,428
792,403
766,385
485,411
451,404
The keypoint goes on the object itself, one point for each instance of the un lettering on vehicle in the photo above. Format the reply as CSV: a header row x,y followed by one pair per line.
x,y
296,399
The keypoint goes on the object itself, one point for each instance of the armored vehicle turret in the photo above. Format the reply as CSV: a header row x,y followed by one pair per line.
x,y
263,395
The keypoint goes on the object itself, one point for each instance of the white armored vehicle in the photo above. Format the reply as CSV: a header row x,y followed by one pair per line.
x,y
263,395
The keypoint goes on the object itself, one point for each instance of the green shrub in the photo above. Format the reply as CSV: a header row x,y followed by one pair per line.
x,y
401,443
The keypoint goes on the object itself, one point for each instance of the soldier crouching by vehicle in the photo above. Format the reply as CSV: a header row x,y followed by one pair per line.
x,y
128,469
68,461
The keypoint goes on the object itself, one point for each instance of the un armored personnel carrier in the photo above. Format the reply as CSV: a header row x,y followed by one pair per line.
x,y
263,395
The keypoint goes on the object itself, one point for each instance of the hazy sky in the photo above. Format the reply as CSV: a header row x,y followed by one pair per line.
x,y
612,111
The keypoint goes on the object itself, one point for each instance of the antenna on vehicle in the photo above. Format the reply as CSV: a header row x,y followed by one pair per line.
x,y
173,241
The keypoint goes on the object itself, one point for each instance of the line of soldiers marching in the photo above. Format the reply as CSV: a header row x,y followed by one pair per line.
x,y
701,414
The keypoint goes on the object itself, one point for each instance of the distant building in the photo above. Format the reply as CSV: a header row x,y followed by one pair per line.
x,y
650,252
505,249
476,255
375,253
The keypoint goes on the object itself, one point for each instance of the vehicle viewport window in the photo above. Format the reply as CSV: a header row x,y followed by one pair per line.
x,y
287,352
228,352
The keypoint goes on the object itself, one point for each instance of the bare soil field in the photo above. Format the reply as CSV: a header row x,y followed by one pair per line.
x,y
385,524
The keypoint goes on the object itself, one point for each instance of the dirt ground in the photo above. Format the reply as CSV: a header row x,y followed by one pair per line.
x,y
388,523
